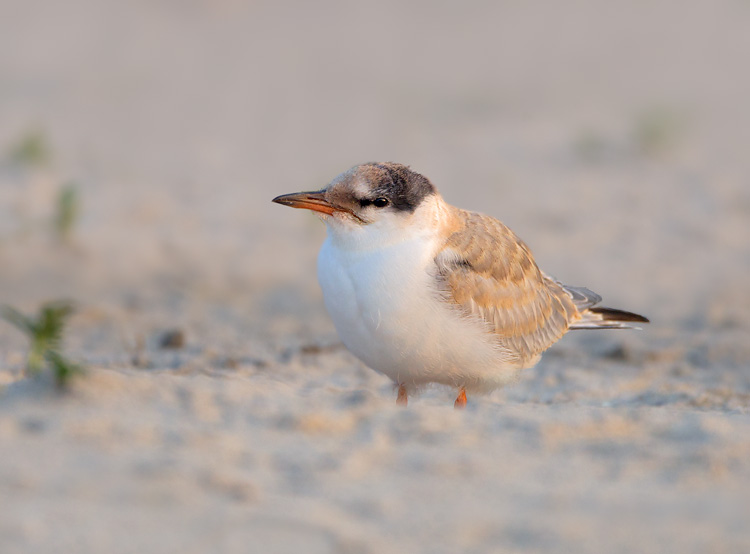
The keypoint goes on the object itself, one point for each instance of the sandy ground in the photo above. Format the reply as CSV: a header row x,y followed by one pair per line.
x,y
612,138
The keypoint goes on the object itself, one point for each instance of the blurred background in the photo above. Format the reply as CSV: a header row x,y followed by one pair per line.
x,y
141,143
611,136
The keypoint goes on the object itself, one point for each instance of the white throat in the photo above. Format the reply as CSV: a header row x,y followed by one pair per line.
x,y
388,229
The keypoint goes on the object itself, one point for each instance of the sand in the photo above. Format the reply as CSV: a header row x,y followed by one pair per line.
x,y
611,138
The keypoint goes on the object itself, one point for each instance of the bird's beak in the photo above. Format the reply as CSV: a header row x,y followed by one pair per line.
x,y
314,201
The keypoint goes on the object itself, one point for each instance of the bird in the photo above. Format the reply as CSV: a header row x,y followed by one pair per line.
x,y
425,292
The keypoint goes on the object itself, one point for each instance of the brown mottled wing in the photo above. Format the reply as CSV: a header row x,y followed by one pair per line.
x,y
488,272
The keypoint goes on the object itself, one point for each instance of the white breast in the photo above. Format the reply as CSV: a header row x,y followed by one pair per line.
x,y
387,310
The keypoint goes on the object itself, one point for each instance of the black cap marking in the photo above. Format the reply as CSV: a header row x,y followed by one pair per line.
x,y
403,187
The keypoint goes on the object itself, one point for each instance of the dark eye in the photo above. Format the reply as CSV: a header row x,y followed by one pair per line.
x,y
380,202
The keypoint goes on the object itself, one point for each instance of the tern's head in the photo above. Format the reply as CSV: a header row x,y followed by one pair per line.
x,y
373,194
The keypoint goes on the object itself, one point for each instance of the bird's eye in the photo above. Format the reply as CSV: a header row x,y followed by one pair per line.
x,y
380,202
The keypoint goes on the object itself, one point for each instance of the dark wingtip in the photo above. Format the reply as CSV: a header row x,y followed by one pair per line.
x,y
610,314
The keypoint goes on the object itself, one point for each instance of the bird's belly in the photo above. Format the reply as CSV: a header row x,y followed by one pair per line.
x,y
388,312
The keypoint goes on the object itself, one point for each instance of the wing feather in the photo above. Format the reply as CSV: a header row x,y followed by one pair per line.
x,y
489,273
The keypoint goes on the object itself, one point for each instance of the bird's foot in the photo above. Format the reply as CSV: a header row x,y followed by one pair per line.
x,y
460,403
402,399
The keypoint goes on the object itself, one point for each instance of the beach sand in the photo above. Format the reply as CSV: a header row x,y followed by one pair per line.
x,y
612,139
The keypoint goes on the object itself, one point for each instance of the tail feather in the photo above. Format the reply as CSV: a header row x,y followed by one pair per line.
x,y
608,318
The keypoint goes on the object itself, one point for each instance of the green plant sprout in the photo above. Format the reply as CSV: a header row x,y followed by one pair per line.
x,y
45,332
658,130
31,150
67,211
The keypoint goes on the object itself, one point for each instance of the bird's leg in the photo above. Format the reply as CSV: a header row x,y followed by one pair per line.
x,y
402,399
460,403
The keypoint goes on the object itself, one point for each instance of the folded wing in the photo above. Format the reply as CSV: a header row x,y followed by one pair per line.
x,y
490,274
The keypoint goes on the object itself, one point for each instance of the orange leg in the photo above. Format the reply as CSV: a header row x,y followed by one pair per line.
x,y
402,399
460,403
